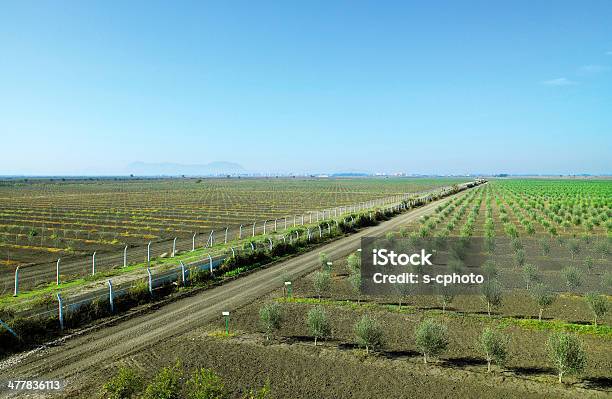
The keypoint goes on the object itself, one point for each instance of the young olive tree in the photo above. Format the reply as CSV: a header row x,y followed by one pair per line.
x,y
369,333
446,295
489,270
566,353
543,296
205,384
270,316
431,338
530,274
598,304
355,282
494,345
318,323
492,294
354,263
321,283
323,259
126,384
572,276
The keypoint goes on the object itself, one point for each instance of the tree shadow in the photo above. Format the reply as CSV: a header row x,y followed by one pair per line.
x,y
399,354
348,346
527,371
458,362
598,383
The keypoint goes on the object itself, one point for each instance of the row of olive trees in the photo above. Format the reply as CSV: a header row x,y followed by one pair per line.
x,y
431,339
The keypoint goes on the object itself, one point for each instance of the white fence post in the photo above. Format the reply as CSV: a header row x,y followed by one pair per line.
x,y
125,256
269,239
150,281
193,242
174,247
226,230
264,231
320,232
93,263
254,228
16,281
210,263
240,233
110,296
60,311
57,271
149,254
275,229
183,273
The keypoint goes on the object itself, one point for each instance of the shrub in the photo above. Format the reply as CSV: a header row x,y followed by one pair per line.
x,y
494,345
321,283
588,264
489,270
323,259
530,274
446,295
354,263
431,338
519,257
566,353
492,294
545,247
572,276
270,316
543,296
205,384
166,384
369,333
598,304
573,247
124,385
318,324
355,281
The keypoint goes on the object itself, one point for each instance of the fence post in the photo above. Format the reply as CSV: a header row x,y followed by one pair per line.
x,y
16,281
240,233
110,296
285,222
294,220
125,256
254,228
269,239
320,232
174,247
329,227
302,220
225,240
93,263
335,212
252,247
183,273
150,281
308,232
233,252
211,237
264,229
149,254
210,263
57,271
275,229
61,312
309,217
193,242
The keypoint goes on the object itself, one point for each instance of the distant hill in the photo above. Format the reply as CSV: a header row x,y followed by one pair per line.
x,y
176,169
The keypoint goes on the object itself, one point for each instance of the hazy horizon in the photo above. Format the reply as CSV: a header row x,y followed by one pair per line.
x,y
319,87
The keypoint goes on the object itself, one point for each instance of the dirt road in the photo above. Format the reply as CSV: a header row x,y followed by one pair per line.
x,y
76,358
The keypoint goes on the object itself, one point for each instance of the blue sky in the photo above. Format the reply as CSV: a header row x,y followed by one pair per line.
x,y
418,87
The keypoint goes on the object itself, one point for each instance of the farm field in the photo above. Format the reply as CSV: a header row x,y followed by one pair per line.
x,y
42,220
548,223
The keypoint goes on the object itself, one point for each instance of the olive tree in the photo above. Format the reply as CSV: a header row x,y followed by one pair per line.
x,y
354,263
321,282
492,294
543,296
598,304
566,353
530,274
369,333
431,338
446,295
572,276
318,323
494,345
270,316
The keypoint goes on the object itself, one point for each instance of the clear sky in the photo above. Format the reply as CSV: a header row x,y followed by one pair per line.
x,y
421,87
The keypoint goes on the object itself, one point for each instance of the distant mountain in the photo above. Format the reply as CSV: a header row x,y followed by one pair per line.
x,y
176,169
